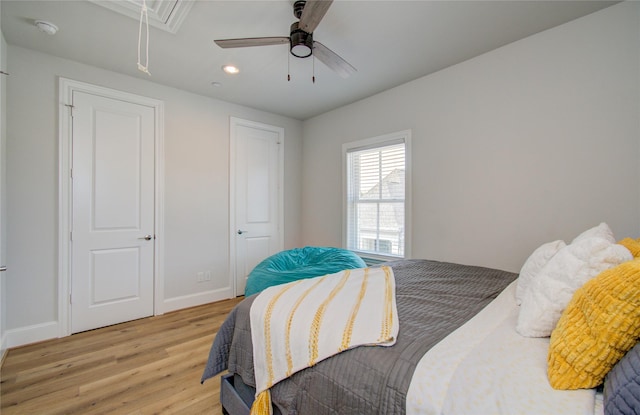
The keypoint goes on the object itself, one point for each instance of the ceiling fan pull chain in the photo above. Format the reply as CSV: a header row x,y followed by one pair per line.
x,y
288,67
313,69
144,15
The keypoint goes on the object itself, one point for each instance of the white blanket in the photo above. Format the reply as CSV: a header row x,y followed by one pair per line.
x,y
485,367
296,325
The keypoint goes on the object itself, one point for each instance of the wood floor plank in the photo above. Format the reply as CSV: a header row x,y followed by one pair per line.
x,y
167,396
34,381
147,366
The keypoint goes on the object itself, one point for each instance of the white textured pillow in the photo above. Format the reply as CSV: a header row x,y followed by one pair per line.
x,y
534,264
549,293
601,231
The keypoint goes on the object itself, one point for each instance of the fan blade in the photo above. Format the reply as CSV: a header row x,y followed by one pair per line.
x,y
313,12
332,60
251,41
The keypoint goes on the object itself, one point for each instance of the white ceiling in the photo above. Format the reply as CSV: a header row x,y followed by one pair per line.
x,y
389,42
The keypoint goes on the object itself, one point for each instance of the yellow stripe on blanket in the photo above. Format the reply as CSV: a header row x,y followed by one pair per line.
x,y
296,325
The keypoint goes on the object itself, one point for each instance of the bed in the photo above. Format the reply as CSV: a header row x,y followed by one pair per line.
x,y
457,352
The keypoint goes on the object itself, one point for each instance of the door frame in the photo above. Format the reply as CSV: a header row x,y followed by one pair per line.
x,y
234,123
66,88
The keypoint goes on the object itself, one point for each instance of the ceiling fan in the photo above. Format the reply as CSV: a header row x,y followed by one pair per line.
x,y
300,39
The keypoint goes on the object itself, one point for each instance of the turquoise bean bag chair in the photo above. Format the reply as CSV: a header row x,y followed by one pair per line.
x,y
299,263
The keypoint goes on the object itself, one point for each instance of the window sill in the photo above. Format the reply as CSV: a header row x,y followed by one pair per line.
x,y
373,259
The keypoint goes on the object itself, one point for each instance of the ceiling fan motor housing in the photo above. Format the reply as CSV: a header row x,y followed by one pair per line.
x,y
301,42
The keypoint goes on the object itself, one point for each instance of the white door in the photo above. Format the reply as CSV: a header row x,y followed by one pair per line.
x,y
112,243
257,166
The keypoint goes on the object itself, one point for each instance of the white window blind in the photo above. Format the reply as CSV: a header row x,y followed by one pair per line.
x,y
375,197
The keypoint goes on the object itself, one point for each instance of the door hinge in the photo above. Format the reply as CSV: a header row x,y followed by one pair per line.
x,y
70,300
71,236
71,107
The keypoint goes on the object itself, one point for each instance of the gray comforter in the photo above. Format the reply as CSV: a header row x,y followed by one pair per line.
x,y
433,299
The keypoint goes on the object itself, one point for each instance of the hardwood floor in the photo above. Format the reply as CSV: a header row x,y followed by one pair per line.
x,y
147,366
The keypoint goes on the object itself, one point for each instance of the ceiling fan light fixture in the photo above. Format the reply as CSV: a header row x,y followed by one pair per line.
x,y
300,42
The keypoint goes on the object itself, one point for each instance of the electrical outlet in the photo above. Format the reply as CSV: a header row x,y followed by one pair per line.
x,y
208,275
200,276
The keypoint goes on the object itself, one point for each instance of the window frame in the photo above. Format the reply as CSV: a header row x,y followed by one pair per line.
x,y
372,143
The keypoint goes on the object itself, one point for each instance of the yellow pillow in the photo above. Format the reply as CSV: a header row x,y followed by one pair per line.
x,y
633,245
600,324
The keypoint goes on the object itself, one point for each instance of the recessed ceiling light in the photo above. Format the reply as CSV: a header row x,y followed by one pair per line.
x,y
46,27
230,69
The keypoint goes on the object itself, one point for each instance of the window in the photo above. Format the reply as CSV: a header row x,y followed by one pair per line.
x,y
376,195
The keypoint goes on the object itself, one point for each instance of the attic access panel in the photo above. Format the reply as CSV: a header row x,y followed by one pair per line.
x,y
167,15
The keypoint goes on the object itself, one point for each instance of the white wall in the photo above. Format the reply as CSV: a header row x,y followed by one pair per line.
x,y
3,177
196,212
535,141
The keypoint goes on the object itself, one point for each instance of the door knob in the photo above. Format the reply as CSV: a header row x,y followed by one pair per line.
x,y
3,268
240,232
146,237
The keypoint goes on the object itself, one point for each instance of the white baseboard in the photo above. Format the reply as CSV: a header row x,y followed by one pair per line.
x,y
3,349
31,334
192,300
51,330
